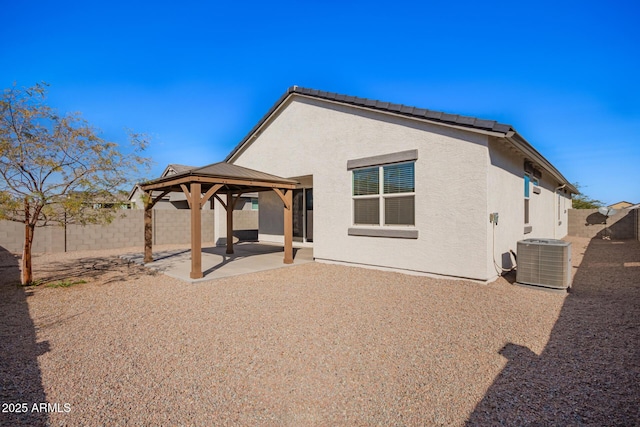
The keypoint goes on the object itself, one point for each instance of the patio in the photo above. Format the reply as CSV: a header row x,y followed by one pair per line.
x,y
216,263
201,184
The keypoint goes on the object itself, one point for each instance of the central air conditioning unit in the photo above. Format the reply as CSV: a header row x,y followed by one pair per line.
x,y
545,263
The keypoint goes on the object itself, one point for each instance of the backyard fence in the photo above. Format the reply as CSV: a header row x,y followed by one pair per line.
x,y
625,224
126,230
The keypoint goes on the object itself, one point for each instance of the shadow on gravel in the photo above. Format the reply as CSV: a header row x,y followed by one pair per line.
x,y
106,270
20,378
589,372
245,251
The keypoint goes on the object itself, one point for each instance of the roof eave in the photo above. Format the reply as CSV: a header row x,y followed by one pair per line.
x,y
274,108
498,130
527,149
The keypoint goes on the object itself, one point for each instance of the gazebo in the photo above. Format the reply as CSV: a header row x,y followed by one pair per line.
x,y
199,185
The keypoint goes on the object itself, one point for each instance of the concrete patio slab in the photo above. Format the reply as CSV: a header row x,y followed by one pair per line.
x,y
216,263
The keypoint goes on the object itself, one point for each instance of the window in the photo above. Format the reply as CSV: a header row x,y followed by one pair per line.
x,y
384,195
254,204
527,189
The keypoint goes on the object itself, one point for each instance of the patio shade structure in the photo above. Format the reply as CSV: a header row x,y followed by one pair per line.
x,y
199,185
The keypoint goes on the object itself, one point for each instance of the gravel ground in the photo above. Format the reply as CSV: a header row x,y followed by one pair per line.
x,y
320,344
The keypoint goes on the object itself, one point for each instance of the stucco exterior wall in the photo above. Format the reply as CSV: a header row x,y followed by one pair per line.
x,y
312,137
505,182
245,220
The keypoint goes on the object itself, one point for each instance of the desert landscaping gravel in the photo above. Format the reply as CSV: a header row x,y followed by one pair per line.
x,y
319,345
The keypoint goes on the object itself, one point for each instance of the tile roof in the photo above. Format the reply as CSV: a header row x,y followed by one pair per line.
x,y
405,110
472,123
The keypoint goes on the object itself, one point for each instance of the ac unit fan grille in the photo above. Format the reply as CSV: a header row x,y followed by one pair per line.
x,y
544,262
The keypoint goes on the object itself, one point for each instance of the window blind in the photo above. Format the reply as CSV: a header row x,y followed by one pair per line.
x,y
366,211
399,178
399,210
366,182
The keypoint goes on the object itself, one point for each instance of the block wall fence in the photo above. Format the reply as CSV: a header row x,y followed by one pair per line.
x,y
126,230
174,227
625,224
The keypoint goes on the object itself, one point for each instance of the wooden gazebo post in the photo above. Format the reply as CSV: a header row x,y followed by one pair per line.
x,y
149,203
286,195
196,231
229,207
288,227
148,232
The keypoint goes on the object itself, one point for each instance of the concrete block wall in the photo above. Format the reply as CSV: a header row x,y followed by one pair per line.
x,y
174,226
245,219
12,236
126,230
590,223
46,239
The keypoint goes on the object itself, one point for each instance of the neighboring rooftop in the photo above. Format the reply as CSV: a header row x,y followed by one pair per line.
x,y
181,168
174,169
621,205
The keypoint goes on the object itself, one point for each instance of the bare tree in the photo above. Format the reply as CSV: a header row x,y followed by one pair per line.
x,y
582,201
56,169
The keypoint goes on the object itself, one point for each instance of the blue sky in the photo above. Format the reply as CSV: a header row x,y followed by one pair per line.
x,y
197,76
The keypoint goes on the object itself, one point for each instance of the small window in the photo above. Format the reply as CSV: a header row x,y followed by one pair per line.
x,y
527,190
254,204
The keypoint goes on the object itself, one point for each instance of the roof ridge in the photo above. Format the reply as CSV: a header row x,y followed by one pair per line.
x,y
406,110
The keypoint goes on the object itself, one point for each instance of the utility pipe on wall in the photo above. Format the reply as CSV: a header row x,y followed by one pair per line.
x,y
555,208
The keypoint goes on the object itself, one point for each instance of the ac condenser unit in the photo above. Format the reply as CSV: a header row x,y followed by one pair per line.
x,y
545,263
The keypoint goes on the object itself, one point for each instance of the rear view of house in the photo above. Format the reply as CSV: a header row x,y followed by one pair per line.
x,y
404,188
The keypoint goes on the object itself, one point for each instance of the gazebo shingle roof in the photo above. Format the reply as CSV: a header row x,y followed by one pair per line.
x,y
225,170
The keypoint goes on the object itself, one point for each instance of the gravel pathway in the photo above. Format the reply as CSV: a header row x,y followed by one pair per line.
x,y
320,344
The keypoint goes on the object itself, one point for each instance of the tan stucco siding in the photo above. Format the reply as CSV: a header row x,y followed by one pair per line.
x,y
312,137
505,181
